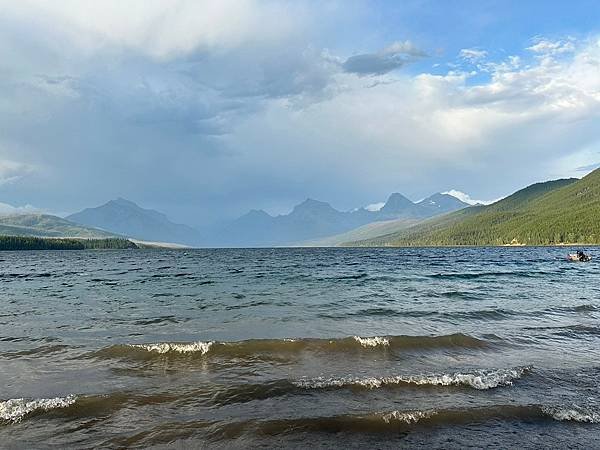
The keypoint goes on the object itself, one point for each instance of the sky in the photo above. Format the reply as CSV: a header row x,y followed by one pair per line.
x,y
206,109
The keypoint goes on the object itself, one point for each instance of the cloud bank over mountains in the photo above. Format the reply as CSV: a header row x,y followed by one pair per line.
x,y
209,108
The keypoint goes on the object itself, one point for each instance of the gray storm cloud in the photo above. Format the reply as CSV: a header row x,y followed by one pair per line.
x,y
390,58
209,122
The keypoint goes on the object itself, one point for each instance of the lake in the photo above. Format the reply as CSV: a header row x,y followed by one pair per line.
x,y
350,348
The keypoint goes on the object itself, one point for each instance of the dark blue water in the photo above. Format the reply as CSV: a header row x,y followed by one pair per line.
x,y
373,348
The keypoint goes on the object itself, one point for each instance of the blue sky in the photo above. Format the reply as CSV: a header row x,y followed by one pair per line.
x,y
205,110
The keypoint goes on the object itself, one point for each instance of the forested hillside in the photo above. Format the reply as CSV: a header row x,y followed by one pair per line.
x,y
555,212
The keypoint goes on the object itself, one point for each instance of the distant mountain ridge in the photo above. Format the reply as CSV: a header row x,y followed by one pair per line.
x,y
563,211
126,218
310,220
313,220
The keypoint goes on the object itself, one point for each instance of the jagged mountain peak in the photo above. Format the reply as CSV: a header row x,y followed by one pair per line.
x,y
442,201
396,203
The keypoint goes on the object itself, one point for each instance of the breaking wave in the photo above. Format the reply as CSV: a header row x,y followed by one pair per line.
x,y
481,380
14,410
253,347
572,414
165,347
372,341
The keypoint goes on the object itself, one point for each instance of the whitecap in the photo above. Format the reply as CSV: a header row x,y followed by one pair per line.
x,y
574,414
166,347
482,380
15,409
406,416
372,341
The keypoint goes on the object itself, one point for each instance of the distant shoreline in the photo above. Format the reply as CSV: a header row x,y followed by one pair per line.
x,y
28,243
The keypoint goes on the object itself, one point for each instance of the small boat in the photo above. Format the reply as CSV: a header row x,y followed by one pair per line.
x,y
579,256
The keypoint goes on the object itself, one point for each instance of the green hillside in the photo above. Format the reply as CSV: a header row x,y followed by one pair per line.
x,y
555,212
44,225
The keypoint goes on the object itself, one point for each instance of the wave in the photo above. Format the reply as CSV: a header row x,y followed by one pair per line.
x,y
572,414
481,380
569,331
14,410
35,352
372,423
243,393
221,395
493,274
479,314
586,307
254,347
372,341
490,314
165,347
400,420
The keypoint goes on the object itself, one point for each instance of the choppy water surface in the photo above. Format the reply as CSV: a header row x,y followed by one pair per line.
x,y
440,348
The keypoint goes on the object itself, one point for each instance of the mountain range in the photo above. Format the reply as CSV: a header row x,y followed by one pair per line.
x,y
309,220
554,212
313,219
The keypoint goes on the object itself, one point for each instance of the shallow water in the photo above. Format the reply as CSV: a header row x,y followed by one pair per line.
x,y
350,348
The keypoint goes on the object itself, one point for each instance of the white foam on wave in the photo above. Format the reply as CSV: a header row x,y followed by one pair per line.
x,y
166,347
574,414
372,341
406,416
481,380
15,409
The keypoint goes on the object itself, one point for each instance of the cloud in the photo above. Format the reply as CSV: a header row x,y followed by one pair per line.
x,y
467,198
588,168
547,47
7,209
472,55
390,58
207,109
421,133
552,86
12,171
159,30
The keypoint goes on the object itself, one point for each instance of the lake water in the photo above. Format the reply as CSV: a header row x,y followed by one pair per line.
x,y
320,348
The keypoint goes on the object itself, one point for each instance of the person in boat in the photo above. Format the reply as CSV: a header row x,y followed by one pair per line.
x,y
580,256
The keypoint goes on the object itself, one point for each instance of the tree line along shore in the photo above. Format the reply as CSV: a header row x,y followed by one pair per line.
x,y
38,243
